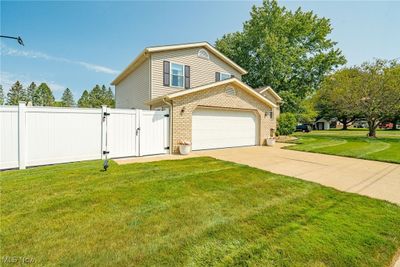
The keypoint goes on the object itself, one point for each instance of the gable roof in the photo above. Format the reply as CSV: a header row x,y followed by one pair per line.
x,y
270,90
153,49
235,81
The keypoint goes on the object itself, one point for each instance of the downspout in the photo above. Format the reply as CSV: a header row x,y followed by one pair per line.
x,y
170,124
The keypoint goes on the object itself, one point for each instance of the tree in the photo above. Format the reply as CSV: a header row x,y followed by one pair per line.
x,y
43,96
307,113
99,96
289,51
96,97
110,98
84,101
1,95
302,108
291,102
67,99
378,92
337,96
287,123
58,104
16,94
30,92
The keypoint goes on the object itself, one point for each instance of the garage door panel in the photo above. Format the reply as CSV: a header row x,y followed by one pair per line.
x,y
219,129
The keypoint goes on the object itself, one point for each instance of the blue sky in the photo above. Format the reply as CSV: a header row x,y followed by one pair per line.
x,y
80,44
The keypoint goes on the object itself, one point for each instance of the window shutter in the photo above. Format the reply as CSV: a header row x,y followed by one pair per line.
x,y
187,77
166,73
217,76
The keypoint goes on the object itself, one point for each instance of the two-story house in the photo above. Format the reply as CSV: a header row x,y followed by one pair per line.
x,y
209,104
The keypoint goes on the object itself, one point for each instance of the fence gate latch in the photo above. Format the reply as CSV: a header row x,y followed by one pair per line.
x,y
105,114
137,130
106,152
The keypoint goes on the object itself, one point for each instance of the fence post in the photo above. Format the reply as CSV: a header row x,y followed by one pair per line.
x,y
21,135
138,132
103,130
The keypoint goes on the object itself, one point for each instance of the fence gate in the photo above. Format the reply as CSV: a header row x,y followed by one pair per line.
x,y
136,132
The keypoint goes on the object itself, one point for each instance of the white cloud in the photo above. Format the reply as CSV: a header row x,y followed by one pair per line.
x,y
7,79
98,68
7,51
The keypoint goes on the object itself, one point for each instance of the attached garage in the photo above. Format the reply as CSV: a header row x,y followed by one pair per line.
x,y
217,128
223,114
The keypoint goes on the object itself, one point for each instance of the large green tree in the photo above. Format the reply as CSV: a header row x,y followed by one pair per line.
x,y
67,99
97,97
378,92
16,94
30,92
290,51
110,98
43,96
337,97
84,101
1,95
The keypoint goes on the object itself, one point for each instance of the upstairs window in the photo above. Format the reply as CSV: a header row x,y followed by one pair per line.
x,y
177,75
224,76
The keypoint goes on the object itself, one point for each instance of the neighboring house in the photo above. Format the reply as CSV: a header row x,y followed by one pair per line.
x,y
326,124
209,104
322,124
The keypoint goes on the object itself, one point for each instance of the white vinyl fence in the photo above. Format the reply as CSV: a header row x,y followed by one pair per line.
x,y
31,136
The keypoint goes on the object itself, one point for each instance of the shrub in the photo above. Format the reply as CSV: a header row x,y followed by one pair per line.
x,y
286,123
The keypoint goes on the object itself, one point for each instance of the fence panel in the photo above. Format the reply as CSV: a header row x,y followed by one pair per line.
x,y
8,137
32,136
56,135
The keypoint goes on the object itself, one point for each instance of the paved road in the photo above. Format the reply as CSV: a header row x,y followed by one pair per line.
x,y
371,178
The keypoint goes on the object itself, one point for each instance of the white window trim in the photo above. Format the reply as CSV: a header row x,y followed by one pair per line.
x,y
170,75
224,73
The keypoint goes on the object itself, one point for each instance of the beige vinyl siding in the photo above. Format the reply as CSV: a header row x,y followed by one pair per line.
x,y
270,97
134,90
276,111
202,71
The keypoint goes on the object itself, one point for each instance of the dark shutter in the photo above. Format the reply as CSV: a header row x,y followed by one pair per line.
x,y
187,77
166,72
217,76
232,76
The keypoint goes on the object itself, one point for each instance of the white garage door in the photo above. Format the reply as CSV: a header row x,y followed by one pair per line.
x,y
219,128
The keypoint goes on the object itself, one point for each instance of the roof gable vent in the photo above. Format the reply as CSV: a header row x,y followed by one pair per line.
x,y
203,54
230,91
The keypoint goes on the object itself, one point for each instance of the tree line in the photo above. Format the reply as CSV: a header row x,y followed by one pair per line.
x,y
42,95
370,92
291,51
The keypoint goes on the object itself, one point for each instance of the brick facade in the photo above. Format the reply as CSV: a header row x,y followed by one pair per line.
x,y
218,98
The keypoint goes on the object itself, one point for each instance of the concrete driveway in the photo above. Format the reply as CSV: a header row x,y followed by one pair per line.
x,y
371,178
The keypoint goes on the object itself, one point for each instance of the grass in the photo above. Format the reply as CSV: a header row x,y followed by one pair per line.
x,y
197,212
351,143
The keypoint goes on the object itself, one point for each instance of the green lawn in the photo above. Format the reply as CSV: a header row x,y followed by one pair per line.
x,y
198,211
351,143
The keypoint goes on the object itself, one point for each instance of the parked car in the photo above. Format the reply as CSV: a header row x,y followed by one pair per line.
x,y
305,128
360,124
